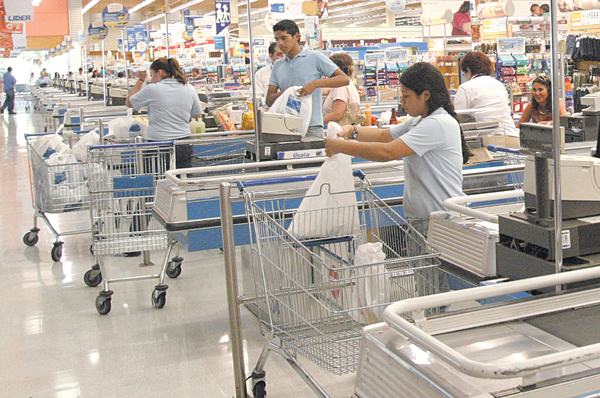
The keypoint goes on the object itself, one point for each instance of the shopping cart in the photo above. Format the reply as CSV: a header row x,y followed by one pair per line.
x,y
122,181
511,156
217,154
59,188
313,299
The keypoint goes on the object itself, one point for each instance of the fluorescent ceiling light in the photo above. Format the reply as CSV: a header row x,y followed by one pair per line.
x,y
153,18
186,5
141,5
88,6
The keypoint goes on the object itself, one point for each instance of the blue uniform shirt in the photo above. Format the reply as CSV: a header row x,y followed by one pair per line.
x,y
302,69
9,81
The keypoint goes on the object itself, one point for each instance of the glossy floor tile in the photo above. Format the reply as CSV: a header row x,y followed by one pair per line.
x,y
53,342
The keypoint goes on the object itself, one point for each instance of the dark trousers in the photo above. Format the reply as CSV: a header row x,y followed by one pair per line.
x,y
9,102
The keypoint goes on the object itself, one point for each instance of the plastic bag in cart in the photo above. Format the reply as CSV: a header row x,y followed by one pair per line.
x,y
80,149
124,128
372,290
329,208
46,145
64,170
290,103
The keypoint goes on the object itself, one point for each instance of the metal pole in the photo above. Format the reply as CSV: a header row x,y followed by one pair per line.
x,y
167,34
125,61
87,86
103,78
257,115
235,323
557,141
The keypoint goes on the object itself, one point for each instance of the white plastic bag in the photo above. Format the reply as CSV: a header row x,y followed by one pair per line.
x,y
65,170
80,149
124,128
50,142
372,290
290,103
329,208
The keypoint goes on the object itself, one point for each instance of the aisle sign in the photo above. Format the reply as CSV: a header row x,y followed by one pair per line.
x,y
399,55
219,42
116,16
511,45
137,38
376,58
222,14
97,30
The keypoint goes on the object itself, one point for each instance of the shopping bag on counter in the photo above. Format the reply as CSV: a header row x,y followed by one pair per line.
x,y
329,207
290,103
80,149
372,290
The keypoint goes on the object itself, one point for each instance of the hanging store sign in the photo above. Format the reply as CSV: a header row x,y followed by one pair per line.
x,y
395,6
583,18
400,55
494,25
222,15
219,42
311,26
115,16
284,9
18,11
511,45
137,38
97,30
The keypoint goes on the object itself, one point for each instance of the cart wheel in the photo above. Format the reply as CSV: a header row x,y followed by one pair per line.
x,y
159,298
259,390
103,304
173,269
31,238
56,252
92,277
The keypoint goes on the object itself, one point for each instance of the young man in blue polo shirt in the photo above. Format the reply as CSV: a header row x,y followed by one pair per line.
x,y
302,67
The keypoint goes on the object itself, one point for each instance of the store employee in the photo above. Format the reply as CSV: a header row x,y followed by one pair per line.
x,y
302,67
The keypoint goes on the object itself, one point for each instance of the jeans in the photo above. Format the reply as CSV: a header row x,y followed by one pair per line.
x,y
9,102
315,131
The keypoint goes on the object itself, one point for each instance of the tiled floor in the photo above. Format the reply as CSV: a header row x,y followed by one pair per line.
x,y
53,342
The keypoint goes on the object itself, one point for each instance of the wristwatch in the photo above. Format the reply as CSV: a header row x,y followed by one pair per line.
x,y
354,133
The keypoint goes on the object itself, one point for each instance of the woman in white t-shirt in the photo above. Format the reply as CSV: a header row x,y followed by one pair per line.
x,y
430,141
341,99
482,91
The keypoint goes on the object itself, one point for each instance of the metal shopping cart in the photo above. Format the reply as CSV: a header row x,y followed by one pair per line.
x,y
219,153
313,299
55,188
122,181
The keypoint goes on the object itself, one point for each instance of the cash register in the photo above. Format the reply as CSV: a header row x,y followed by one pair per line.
x,y
584,126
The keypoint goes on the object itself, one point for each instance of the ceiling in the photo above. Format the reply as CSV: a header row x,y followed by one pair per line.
x,y
341,12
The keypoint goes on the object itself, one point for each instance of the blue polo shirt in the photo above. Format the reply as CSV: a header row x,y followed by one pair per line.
x,y
170,107
302,69
9,81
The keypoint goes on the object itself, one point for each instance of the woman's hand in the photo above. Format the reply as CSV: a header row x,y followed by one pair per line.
x,y
143,75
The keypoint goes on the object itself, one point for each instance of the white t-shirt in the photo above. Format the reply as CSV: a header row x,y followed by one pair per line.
x,y
170,107
261,80
348,94
487,92
434,173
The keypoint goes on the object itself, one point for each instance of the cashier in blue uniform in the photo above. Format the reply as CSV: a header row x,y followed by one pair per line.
x,y
482,91
430,142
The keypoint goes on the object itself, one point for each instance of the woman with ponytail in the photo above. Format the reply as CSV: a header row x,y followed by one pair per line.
x,y
171,104
430,141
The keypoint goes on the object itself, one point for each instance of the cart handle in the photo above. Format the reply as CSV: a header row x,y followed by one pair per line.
x,y
54,132
496,148
133,144
244,184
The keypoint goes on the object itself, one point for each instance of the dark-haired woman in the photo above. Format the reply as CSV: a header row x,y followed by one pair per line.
x,y
430,142
171,104
539,110
482,91
461,24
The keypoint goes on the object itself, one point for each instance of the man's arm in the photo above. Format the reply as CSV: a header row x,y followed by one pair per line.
x,y
272,94
337,79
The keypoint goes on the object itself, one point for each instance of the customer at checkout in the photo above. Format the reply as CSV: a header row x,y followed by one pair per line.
x,y
342,104
481,91
171,103
430,141
263,75
539,110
